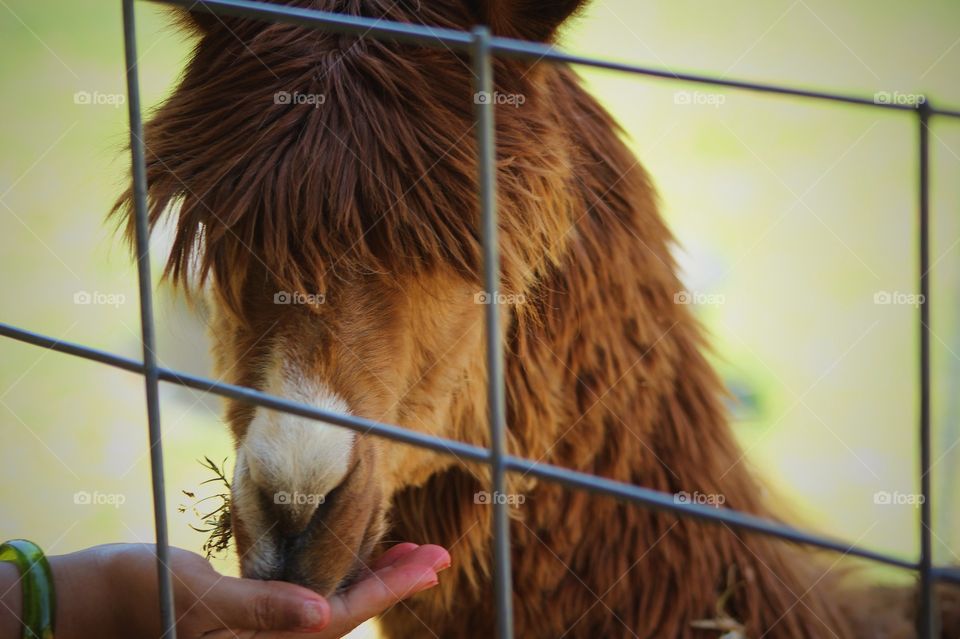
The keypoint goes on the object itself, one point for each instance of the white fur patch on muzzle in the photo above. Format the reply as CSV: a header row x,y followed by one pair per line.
x,y
296,461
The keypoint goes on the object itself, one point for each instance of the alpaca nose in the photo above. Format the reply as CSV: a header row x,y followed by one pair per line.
x,y
295,465
306,525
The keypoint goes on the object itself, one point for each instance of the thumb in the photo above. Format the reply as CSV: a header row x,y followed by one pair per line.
x,y
249,604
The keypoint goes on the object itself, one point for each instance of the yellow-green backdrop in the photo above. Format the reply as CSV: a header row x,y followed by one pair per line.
x,y
795,218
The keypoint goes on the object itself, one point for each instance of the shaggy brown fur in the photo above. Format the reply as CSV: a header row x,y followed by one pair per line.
x,y
371,199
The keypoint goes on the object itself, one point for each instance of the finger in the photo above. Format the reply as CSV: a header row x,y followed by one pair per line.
x,y
249,604
387,558
436,557
414,572
392,555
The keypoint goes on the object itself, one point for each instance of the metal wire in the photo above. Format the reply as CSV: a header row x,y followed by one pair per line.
x,y
487,161
462,42
150,370
646,497
928,621
483,47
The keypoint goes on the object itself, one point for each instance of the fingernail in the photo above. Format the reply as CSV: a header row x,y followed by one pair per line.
x,y
313,616
442,563
427,584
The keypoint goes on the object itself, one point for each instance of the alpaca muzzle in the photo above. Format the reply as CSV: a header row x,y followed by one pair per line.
x,y
320,540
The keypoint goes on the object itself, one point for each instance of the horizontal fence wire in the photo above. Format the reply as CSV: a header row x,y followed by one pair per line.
x,y
947,575
482,47
462,41
649,498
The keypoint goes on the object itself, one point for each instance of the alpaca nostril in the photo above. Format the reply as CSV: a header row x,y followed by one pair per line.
x,y
289,548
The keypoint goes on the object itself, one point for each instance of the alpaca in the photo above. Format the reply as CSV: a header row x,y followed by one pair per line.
x,y
325,189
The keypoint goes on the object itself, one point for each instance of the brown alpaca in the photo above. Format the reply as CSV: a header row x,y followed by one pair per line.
x,y
367,196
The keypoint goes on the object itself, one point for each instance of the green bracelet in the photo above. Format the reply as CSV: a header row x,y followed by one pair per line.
x,y
39,600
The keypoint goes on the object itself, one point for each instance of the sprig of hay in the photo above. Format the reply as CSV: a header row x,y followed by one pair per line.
x,y
214,523
723,622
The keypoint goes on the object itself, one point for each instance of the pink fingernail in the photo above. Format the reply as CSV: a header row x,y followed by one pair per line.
x,y
428,584
313,616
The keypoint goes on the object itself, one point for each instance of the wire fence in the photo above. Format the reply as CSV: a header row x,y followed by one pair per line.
x,y
482,47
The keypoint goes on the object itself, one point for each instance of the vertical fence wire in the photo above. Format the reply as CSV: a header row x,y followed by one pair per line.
x,y
928,618
150,368
928,621
486,156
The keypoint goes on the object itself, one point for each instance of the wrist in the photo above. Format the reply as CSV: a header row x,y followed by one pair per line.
x,y
11,601
84,599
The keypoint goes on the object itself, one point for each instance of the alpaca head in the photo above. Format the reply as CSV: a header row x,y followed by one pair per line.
x,y
324,188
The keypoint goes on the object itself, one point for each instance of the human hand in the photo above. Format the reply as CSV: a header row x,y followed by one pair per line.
x,y
114,588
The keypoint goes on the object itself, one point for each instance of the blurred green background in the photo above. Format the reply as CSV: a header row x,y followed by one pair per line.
x,y
793,217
